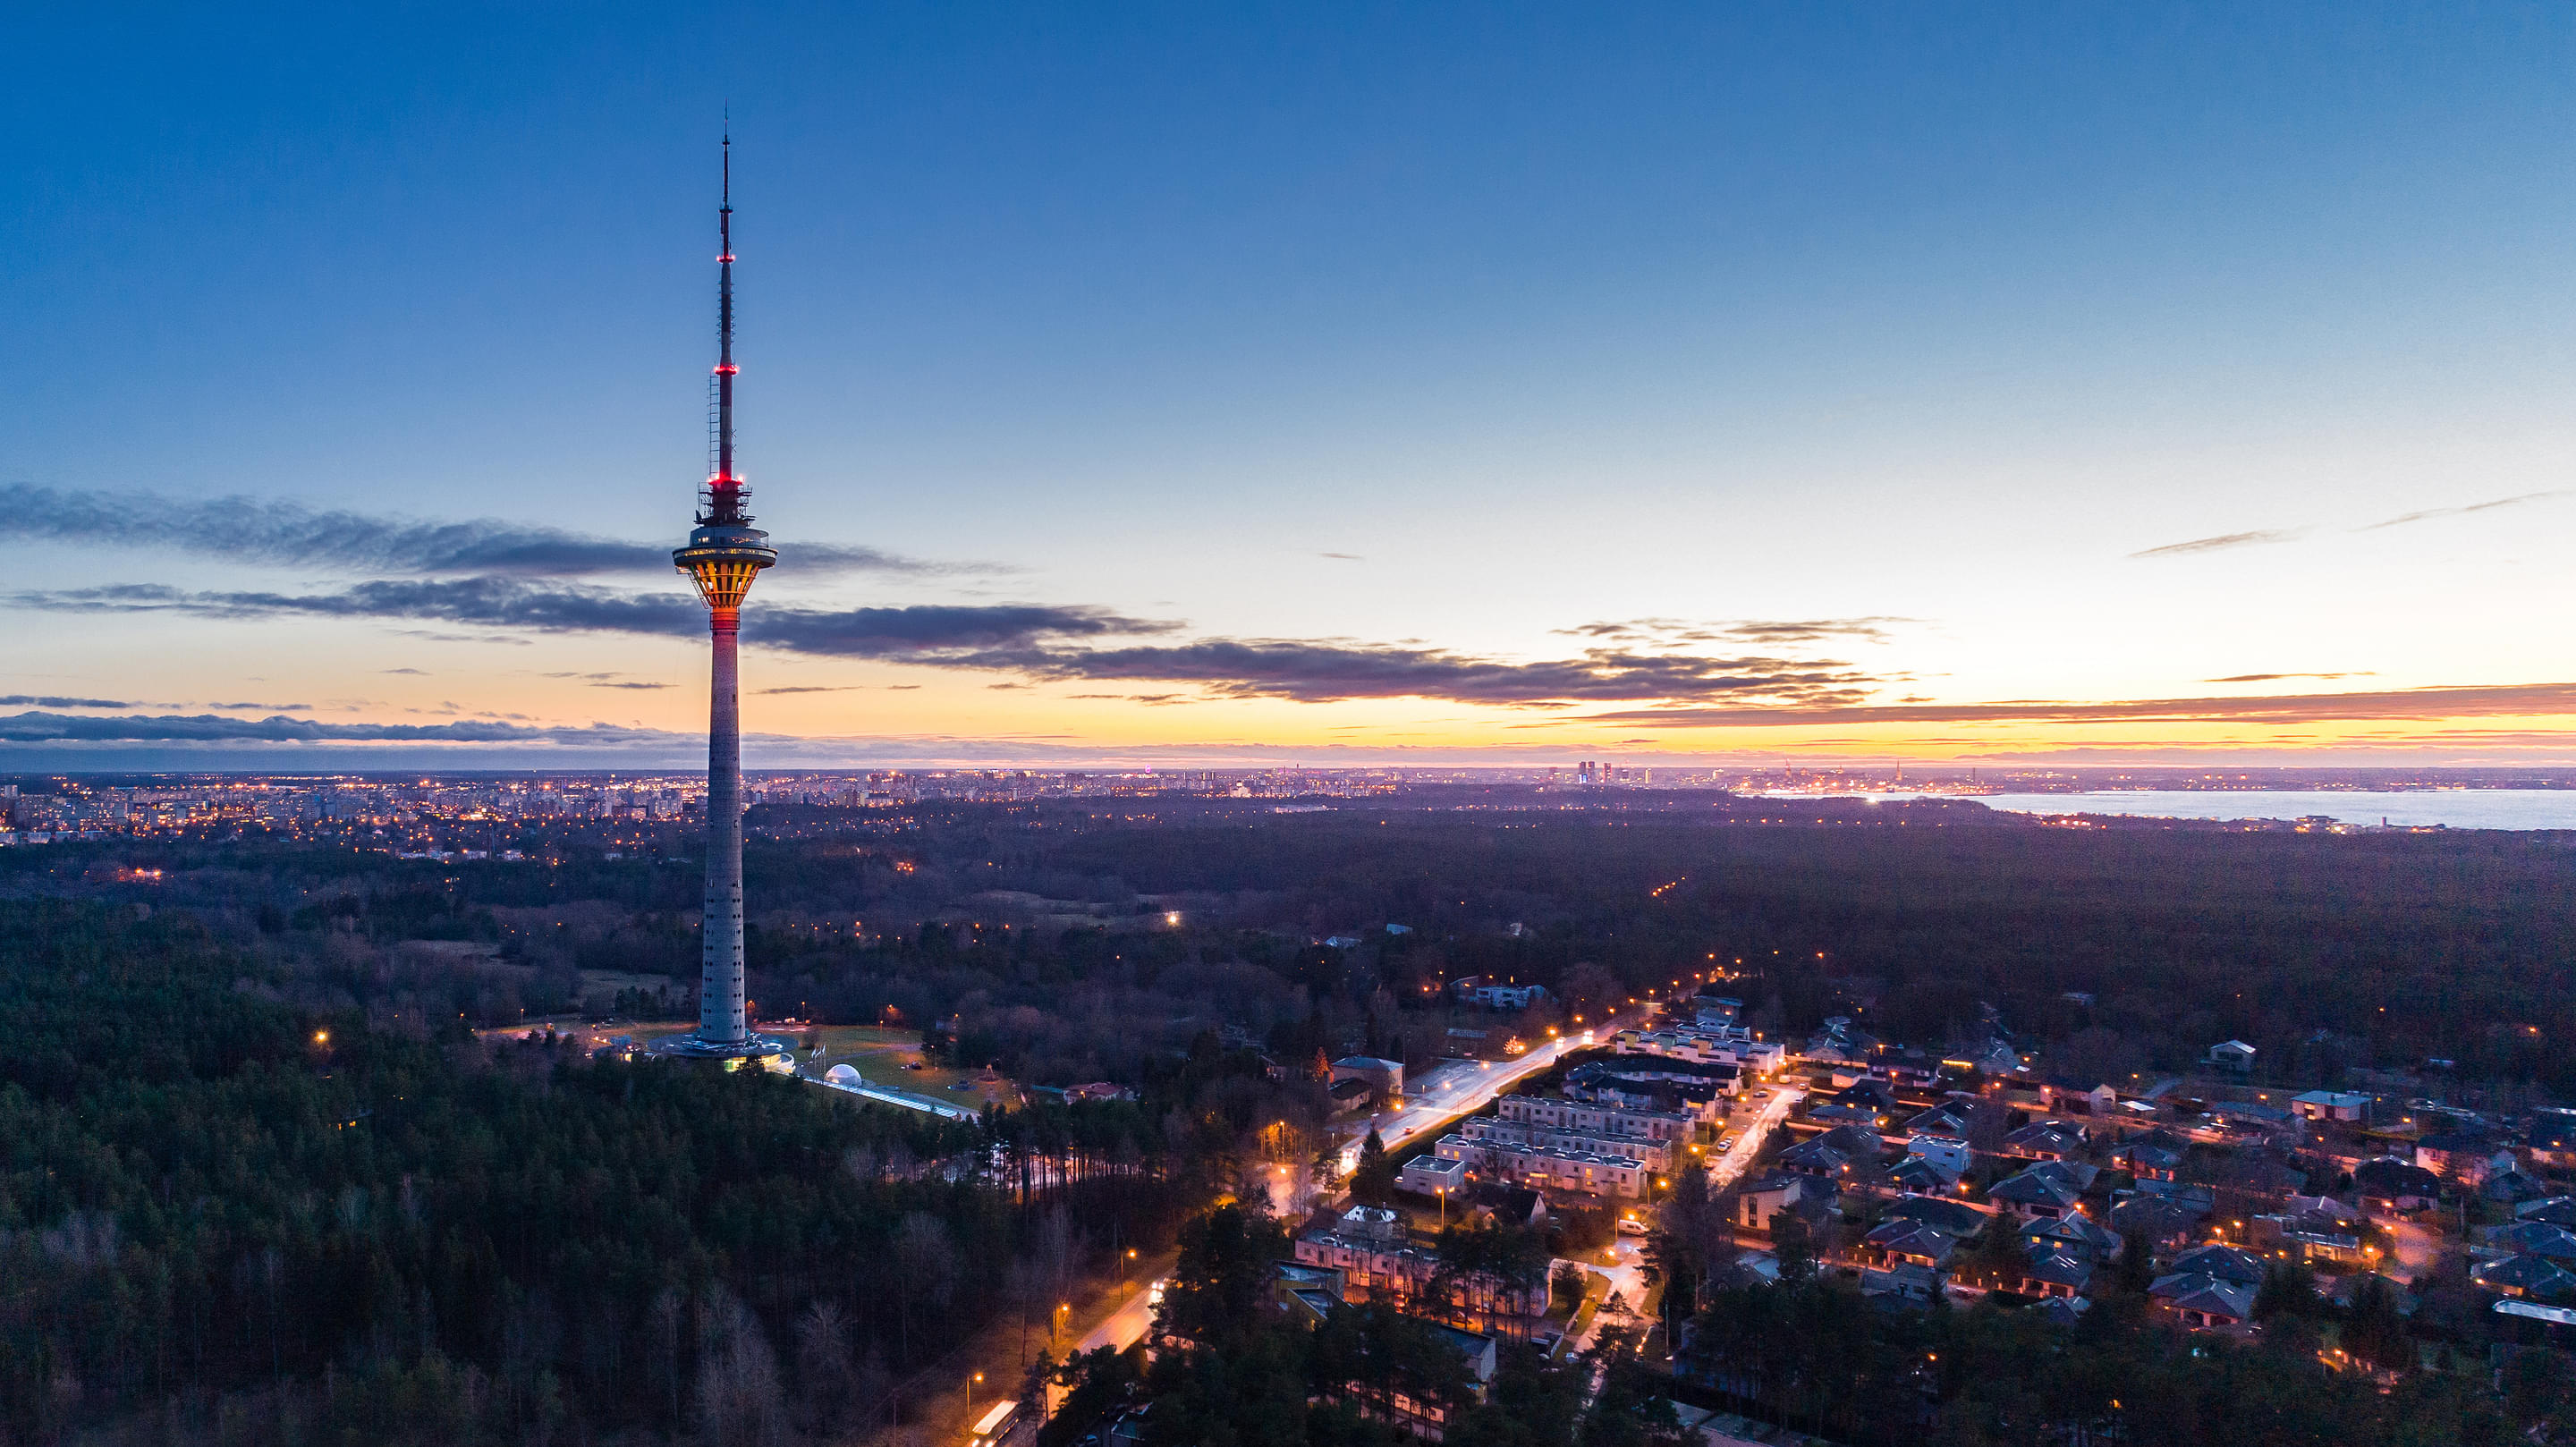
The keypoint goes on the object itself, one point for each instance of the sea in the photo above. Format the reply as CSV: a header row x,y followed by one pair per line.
x,y
2451,808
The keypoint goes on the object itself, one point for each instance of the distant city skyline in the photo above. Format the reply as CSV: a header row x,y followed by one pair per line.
x,y
1340,385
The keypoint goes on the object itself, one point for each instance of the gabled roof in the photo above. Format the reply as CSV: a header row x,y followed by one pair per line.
x,y
2155,1217
1957,1218
2534,1275
1939,1120
2191,1291
2036,1186
2557,1210
2538,1238
1914,1173
2048,1134
2074,1231
2552,1130
2224,1262
2059,1268
2388,1176
2062,1310
1913,1238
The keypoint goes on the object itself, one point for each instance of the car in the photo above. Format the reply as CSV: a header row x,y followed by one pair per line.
x,y
1629,1225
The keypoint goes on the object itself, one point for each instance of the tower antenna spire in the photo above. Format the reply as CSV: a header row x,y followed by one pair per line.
x,y
725,491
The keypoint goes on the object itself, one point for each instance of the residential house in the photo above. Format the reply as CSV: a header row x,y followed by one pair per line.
x,y
2044,1140
2331,1105
1941,1120
2147,1160
1834,1153
2058,1273
2224,1262
1761,1199
2552,1138
2158,1221
2526,1276
2510,1188
2392,1185
2203,1301
2045,1191
2074,1234
1431,1176
1903,1242
2091,1097
2536,1238
1386,1075
1956,1219
2233,1055
2457,1156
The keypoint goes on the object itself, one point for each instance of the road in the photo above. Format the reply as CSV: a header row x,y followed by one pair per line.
x,y
1124,1327
1466,1093
1749,1137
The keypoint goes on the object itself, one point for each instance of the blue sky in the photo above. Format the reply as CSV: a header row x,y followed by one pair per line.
x,y
1547,316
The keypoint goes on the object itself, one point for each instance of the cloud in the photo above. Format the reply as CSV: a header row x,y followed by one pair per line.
x,y
415,672
1331,670
630,685
1673,632
271,707
813,688
2223,540
1032,641
2470,701
919,629
1345,557
42,727
256,530
2268,677
25,700
2452,512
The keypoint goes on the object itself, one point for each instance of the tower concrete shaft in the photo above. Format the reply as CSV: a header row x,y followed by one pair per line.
x,y
721,1016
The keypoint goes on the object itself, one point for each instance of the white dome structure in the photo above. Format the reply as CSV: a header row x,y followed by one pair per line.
x,y
842,1075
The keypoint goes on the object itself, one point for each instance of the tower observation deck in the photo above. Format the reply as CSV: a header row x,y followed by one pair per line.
x,y
724,555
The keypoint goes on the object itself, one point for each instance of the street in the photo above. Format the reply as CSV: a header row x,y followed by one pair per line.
x,y
1466,1092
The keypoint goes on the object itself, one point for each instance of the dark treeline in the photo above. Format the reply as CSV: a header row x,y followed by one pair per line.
x,y
1815,1356
224,1216
1041,926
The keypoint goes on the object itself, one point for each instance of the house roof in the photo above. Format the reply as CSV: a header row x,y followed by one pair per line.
x,y
2557,1210
2388,1176
2538,1238
2192,1291
2536,1275
2153,1216
1957,1218
2035,1187
2074,1231
2059,1268
2553,1130
2224,1262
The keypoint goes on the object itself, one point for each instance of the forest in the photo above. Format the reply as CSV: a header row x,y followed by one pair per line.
x,y
225,1217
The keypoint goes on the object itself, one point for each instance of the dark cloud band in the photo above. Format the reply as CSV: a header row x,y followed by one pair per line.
x,y
253,530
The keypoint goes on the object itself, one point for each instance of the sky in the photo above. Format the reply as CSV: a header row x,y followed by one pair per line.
x,y
1320,383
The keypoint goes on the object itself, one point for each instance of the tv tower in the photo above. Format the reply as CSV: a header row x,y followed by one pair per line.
x,y
724,554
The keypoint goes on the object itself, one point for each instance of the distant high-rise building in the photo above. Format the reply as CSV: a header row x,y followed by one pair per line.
x,y
724,555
